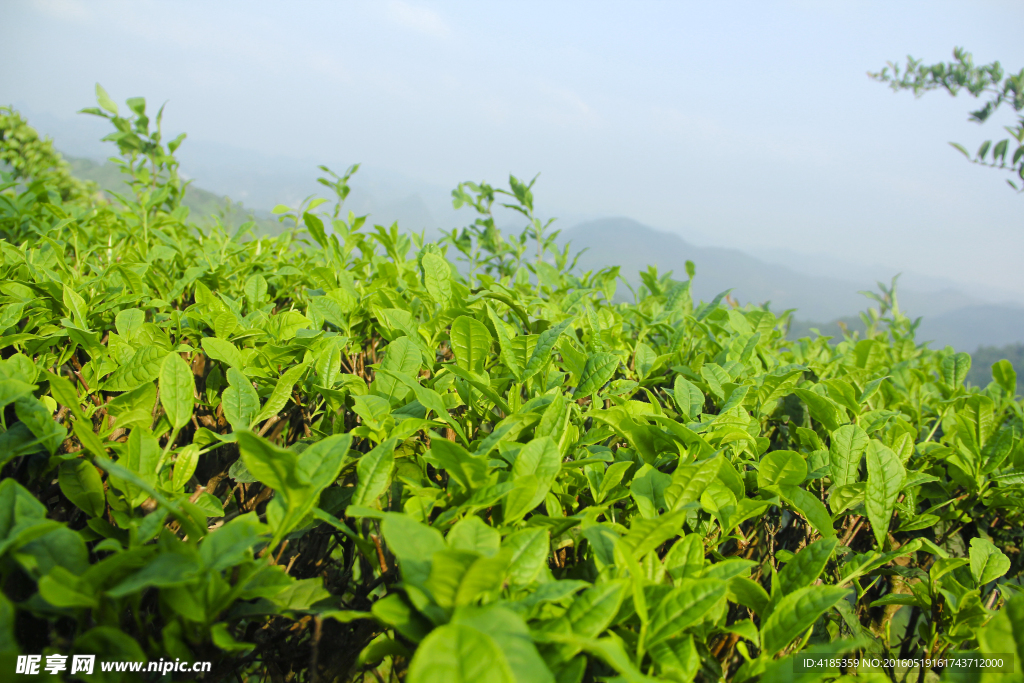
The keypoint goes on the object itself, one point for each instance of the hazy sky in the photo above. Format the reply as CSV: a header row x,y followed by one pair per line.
x,y
735,124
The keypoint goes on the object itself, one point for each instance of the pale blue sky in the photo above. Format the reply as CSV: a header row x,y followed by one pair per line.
x,y
736,124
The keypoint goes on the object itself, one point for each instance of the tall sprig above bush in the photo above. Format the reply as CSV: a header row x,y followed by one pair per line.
x,y
979,81
150,165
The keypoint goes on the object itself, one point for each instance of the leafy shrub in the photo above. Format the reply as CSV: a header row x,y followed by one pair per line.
x,y
328,455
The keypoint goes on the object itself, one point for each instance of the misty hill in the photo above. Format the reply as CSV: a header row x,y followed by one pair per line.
x,y
950,316
203,205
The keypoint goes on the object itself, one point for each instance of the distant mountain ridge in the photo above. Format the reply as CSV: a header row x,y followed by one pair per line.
x,y
950,317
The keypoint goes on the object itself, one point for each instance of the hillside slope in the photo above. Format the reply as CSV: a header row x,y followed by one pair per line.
x,y
950,317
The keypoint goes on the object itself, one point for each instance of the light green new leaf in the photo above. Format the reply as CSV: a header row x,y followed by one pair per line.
x,y
505,347
885,481
955,368
414,544
103,99
1005,376
596,373
240,400
685,559
272,466
296,480
845,451
593,610
782,468
430,400
185,466
92,443
797,612
510,632
541,459
177,390
471,343
648,488
542,351
328,366
810,507
806,566
689,482
684,606
988,562
822,409
459,654
461,465
224,324
61,588
437,278
282,392
81,484
11,389
222,350
60,388
401,356
129,321
77,307
143,367
647,534
644,359
472,534
715,376
39,420
227,546
529,553
374,473
255,291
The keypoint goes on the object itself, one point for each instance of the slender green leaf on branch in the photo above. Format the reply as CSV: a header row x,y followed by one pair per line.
x,y
885,482
177,389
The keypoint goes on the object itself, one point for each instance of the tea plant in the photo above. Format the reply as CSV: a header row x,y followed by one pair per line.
x,y
330,456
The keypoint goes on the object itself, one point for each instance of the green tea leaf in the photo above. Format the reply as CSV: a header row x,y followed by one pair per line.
x,y
885,481
144,366
506,350
806,566
34,415
811,507
782,468
414,544
688,397
542,351
374,473
240,401
684,606
473,535
282,392
401,356
845,451
796,613
177,388
1005,376
955,368
459,654
185,466
593,610
437,278
222,350
596,373
81,483
471,343
529,553
988,563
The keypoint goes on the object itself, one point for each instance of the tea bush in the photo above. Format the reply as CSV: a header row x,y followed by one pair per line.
x,y
333,455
